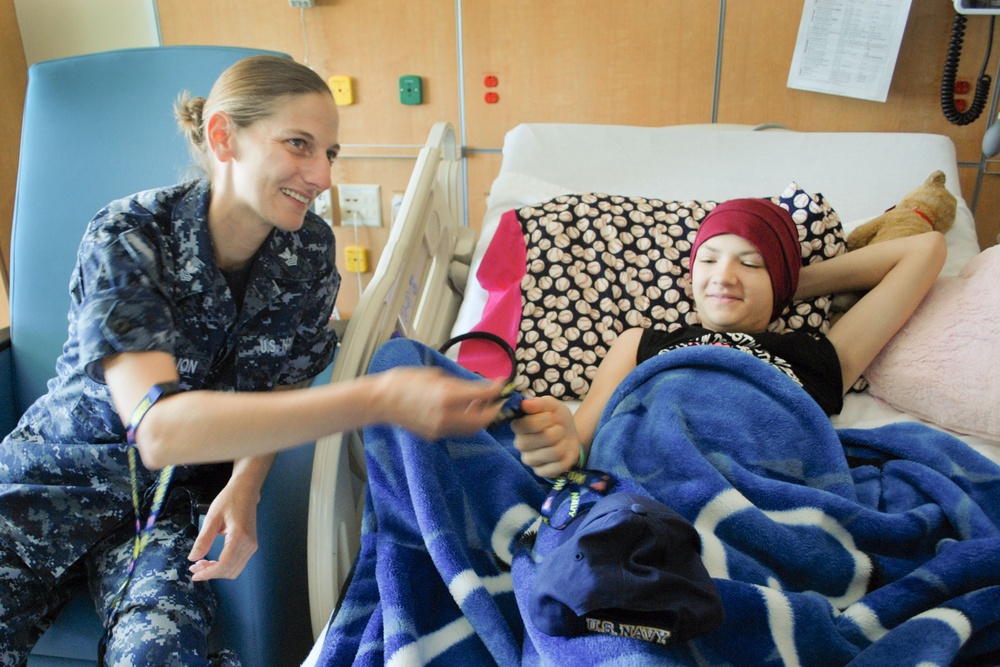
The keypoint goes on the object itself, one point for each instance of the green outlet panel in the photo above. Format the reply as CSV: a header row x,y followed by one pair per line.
x,y
410,89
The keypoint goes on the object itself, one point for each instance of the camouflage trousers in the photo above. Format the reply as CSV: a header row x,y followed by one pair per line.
x,y
163,619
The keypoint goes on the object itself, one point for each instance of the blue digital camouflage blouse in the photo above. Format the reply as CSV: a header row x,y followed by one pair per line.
x,y
146,279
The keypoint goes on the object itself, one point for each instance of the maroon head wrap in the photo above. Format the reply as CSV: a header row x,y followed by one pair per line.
x,y
770,229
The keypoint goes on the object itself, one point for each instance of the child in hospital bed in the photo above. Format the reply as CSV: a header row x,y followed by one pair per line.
x,y
745,270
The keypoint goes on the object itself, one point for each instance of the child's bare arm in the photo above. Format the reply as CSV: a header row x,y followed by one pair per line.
x,y
897,273
549,437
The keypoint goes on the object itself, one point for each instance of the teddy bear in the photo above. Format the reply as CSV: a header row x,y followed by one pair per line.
x,y
926,208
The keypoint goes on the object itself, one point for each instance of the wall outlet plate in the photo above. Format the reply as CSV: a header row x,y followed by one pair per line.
x,y
411,89
356,259
342,89
360,205
323,206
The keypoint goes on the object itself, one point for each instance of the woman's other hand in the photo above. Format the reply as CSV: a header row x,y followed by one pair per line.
x,y
232,514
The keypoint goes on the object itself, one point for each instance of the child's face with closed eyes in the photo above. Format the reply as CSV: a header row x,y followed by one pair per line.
x,y
731,285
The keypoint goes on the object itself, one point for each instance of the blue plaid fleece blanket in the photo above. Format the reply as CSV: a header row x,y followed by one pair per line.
x,y
860,547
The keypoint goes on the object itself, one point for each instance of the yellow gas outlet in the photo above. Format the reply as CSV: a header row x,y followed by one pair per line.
x,y
357,259
343,91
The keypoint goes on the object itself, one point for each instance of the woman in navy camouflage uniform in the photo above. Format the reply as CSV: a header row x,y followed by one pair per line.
x,y
212,292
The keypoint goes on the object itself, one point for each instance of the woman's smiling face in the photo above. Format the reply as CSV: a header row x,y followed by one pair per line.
x,y
282,162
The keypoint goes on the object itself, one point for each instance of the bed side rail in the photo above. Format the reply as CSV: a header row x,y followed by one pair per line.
x,y
410,294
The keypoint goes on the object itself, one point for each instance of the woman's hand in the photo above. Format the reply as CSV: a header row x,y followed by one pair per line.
x,y
233,513
546,436
433,403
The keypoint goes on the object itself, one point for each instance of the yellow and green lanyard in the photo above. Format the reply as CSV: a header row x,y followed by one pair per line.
x,y
142,534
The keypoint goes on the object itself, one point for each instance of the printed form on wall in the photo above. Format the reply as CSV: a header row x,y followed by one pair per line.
x,y
848,47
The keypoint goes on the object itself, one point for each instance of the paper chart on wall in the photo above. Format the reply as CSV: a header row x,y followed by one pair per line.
x,y
848,47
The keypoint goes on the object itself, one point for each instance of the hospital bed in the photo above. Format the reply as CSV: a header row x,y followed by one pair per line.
x,y
426,287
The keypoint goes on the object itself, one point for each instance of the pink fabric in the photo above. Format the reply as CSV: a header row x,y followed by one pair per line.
x,y
500,274
942,366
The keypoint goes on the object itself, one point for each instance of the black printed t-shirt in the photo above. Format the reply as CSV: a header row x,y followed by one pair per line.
x,y
812,362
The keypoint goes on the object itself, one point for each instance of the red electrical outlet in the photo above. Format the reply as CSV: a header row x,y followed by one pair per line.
x,y
492,98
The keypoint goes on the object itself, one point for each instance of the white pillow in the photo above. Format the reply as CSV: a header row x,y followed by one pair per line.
x,y
944,364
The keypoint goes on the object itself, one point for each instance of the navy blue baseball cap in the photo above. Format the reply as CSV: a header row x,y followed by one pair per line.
x,y
630,566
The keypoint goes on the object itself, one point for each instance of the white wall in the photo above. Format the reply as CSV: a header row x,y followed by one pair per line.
x,y
60,28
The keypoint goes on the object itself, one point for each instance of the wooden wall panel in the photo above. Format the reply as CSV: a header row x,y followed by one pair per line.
x,y
482,170
755,73
630,62
968,177
372,41
393,175
988,210
14,75
642,62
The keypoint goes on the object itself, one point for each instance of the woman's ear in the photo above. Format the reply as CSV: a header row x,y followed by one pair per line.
x,y
219,136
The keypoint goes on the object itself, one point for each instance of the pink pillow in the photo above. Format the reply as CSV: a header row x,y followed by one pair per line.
x,y
943,365
500,274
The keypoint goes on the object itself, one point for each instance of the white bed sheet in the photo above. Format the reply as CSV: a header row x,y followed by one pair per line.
x,y
861,174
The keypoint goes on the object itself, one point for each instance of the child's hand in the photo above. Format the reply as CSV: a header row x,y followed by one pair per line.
x,y
546,436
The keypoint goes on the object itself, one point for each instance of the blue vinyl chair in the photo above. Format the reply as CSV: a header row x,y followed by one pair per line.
x,y
99,127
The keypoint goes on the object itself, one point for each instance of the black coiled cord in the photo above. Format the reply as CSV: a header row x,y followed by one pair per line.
x,y
955,116
979,99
